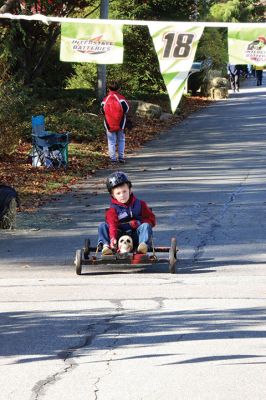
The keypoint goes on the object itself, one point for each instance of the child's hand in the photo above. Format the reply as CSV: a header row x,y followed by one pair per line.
x,y
113,244
134,224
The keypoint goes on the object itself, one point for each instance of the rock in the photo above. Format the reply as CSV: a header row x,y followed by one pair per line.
x,y
9,200
219,82
207,85
8,220
219,93
144,109
133,105
166,116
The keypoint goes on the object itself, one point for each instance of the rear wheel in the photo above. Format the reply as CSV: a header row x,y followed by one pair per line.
x,y
87,245
78,262
172,256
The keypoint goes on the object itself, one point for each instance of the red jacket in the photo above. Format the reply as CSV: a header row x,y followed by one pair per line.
x,y
112,220
114,107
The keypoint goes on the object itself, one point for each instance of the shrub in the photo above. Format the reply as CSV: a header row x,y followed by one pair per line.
x,y
71,110
84,126
13,108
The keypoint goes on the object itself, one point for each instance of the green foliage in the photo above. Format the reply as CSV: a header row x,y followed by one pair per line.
x,y
213,46
137,73
13,109
27,48
74,111
84,76
84,126
29,51
161,10
140,69
237,11
71,110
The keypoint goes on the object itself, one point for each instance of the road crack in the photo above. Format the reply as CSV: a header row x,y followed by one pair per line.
x,y
67,356
216,221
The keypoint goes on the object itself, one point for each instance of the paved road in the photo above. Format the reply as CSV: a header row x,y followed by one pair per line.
x,y
196,335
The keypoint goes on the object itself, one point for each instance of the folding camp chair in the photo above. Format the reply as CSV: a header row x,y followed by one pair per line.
x,y
49,149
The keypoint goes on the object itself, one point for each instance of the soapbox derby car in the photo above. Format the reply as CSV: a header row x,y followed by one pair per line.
x,y
93,257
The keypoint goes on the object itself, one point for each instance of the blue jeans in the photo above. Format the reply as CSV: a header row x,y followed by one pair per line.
x,y
113,138
143,233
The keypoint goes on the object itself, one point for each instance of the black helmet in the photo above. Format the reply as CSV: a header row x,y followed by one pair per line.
x,y
115,179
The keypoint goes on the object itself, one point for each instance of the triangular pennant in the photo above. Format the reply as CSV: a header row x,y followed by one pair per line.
x,y
175,46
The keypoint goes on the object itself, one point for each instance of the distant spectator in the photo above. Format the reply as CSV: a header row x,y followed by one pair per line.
x,y
259,74
234,74
249,71
115,107
253,70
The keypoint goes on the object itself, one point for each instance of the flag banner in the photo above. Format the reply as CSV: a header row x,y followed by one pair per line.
x,y
175,46
247,45
94,43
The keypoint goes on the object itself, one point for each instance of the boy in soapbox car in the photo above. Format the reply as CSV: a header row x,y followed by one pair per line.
x,y
127,215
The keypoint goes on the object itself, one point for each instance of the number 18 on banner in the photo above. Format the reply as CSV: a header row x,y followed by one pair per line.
x,y
177,45
176,51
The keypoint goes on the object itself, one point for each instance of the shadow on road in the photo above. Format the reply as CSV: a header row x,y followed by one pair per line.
x,y
39,336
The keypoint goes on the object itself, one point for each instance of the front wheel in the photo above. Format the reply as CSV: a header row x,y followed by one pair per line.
x,y
78,262
172,256
87,245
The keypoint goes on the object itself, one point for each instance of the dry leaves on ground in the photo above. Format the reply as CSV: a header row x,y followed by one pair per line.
x,y
35,185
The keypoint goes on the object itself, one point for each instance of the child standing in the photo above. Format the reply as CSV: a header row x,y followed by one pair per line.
x,y
114,107
234,75
127,215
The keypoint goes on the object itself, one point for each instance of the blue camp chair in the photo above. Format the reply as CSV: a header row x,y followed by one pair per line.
x,y
49,149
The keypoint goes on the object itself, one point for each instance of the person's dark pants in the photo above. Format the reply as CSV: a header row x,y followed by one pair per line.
x,y
234,80
259,77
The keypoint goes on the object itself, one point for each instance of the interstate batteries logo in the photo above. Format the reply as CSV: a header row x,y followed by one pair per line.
x,y
256,50
95,45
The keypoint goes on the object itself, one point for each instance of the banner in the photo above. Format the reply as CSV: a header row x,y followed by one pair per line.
x,y
247,45
95,43
175,48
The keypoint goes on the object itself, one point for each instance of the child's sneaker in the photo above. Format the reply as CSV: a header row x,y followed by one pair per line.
x,y
142,248
106,251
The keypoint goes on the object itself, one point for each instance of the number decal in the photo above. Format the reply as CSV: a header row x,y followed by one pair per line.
x,y
169,40
177,45
183,42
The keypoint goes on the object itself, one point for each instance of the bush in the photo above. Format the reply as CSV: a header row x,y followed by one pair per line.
x,y
84,126
13,108
84,76
71,110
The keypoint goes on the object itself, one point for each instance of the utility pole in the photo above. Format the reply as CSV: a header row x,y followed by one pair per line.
x,y
204,11
101,68
205,8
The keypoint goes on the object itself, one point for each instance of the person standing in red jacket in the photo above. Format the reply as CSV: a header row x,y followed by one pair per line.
x,y
115,107
127,215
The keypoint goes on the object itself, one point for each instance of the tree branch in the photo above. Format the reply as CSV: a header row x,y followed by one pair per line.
x,y
8,6
53,34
